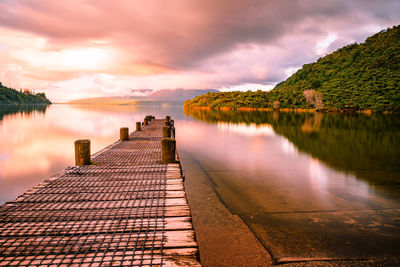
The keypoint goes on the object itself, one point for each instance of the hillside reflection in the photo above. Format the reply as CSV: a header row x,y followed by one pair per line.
x,y
367,146
24,110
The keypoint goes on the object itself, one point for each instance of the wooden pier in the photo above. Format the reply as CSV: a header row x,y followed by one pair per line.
x,y
125,209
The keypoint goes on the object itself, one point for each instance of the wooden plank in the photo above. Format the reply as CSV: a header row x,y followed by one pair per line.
x,y
180,261
93,205
87,227
59,215
174,239
95,196
171,257
171,187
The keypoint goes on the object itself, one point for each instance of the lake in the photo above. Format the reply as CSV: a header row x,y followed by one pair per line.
x,y
306,184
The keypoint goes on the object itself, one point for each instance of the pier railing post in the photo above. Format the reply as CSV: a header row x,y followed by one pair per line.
x,y
138,126
168,150
166,131
82,152
124,134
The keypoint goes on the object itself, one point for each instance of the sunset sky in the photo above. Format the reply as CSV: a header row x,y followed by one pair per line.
x,y
74,49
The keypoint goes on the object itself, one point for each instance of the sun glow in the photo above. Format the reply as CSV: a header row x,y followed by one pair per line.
x,y
69,59
88,58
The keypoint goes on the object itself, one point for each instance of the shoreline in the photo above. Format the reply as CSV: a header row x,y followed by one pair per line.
x,y
299,110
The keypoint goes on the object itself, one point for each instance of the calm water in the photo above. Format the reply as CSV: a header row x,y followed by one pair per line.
x,y
289,176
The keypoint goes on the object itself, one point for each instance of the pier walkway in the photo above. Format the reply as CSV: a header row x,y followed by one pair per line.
x,y
126,209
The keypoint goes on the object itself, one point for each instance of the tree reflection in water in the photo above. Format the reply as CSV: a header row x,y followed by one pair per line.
x,y
368,146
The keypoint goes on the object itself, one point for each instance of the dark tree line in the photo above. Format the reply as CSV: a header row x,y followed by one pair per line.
x,y
12,96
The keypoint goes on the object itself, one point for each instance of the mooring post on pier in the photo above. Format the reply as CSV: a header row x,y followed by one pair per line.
x,y
149,118
124,134
168,150
82,152
138,126
166,132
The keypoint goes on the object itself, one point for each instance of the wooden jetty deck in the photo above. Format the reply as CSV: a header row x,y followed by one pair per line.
x,y
126,209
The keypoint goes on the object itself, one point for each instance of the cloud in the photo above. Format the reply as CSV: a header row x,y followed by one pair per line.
x,y
216,43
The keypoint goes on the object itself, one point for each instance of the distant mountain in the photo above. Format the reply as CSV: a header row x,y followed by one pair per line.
x,y
173,94
356,77
12,96
104,101
179,95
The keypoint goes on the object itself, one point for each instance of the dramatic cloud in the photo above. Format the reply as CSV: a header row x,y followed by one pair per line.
x,y
111,47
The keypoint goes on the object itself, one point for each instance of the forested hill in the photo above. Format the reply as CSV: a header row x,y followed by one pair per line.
x,y
12,96
362,76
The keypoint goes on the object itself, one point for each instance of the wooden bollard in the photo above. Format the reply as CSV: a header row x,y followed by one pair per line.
x,y
124,134
166,132
138,126
146,122
168,150
82,152
168,123
167,118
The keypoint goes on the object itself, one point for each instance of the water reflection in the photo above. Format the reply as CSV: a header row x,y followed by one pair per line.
x,y
245,129
358,143
22,110
307,184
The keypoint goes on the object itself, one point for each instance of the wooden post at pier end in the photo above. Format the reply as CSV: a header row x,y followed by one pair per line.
x,y
82,152
124,134
138,126
168,150
166,132
149,117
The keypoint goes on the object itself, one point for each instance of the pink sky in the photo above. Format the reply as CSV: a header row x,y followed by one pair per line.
x,y
74,49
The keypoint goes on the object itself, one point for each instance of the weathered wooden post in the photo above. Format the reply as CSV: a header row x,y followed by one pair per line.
x,y
124,134
149,117
168,150
166,131
82,152
167,118
138,126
